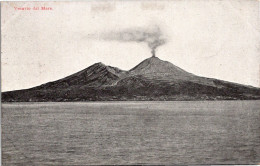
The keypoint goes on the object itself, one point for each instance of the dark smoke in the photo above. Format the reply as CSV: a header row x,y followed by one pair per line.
x,y
152,36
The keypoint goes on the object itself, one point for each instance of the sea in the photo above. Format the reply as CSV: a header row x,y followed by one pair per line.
x,y
130,132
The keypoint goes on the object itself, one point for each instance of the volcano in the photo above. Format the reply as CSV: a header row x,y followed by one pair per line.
x,y
152,79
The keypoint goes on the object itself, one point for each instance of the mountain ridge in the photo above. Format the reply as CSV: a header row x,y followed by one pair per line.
x,y
155,65
152,79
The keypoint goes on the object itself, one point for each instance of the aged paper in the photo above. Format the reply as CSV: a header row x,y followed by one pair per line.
x,y
130,82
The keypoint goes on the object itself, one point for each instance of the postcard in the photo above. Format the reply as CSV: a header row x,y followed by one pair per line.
x,y
130,82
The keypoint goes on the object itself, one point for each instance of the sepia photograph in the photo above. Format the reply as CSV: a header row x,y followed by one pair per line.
x,y
159,82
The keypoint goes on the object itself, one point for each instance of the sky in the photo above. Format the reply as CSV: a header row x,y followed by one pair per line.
x,y
210,38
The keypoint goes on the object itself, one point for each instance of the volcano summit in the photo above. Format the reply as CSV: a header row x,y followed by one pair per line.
x,y
152,79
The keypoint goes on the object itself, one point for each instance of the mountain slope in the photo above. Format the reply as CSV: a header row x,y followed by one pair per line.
x,y
152,79
154,65
93,76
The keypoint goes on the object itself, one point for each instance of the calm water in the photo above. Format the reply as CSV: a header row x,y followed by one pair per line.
x,y
200,132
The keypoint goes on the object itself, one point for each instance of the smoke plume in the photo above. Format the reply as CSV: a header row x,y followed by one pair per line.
x,y
152,36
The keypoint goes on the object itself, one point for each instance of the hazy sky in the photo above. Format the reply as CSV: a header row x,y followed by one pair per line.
x,y
211,38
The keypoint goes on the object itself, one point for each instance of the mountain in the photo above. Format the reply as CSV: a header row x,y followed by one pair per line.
x,y
156,66
94,76
152,79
